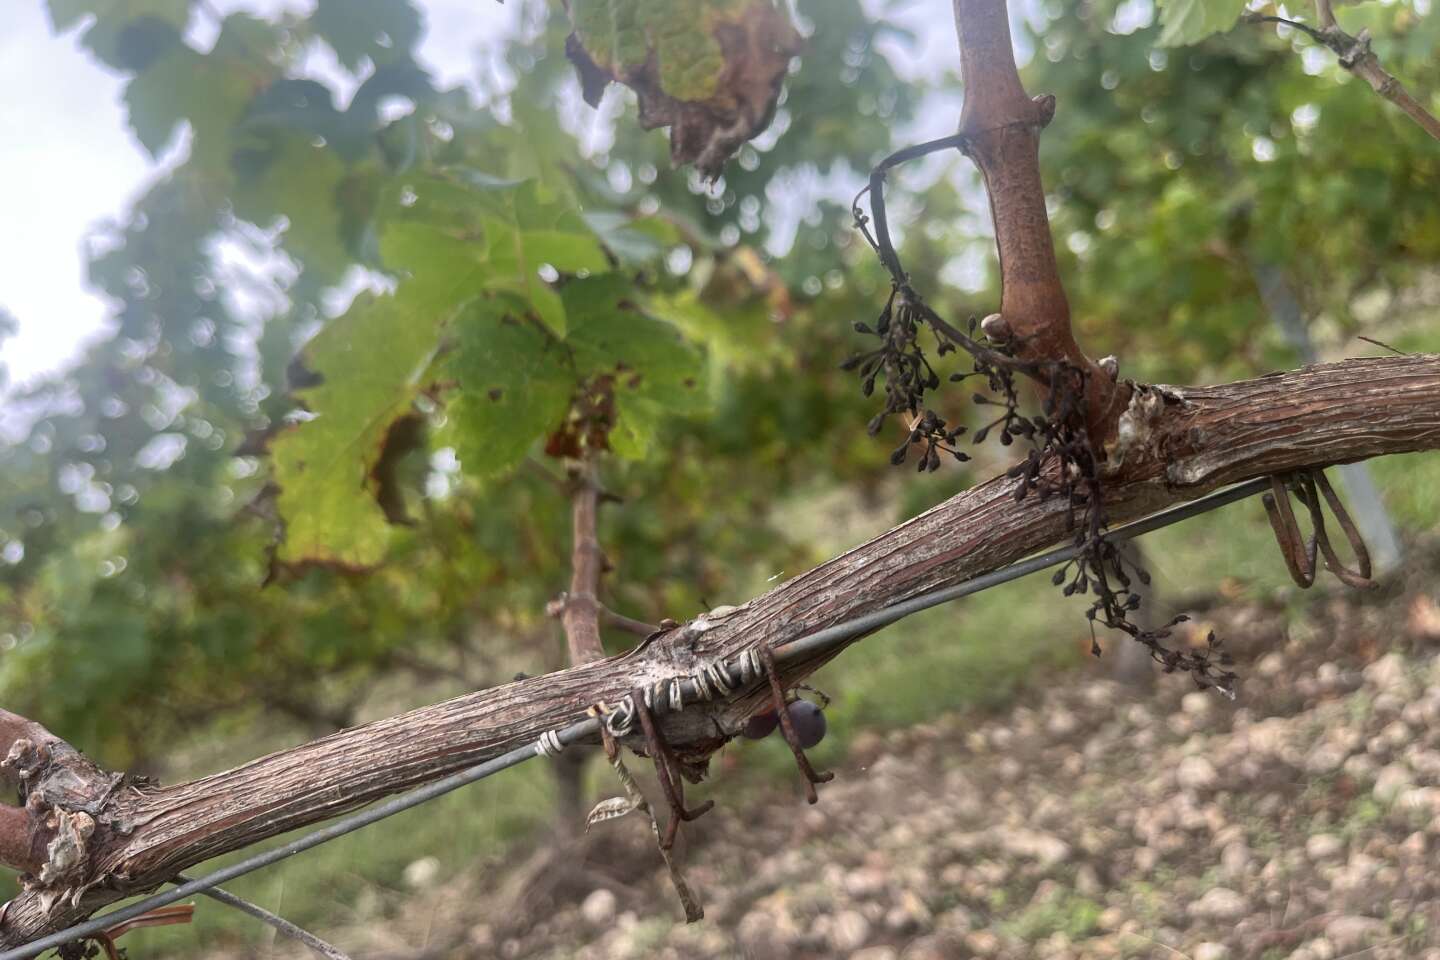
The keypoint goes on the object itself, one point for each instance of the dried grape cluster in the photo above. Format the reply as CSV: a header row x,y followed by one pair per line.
x,y
1101,570
1061,460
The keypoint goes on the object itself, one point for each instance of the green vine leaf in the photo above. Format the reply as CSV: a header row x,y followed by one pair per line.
x,y
107,35
513,385
1184,22
210,91
302,183
521,227
633,240
711,70
381,31
655,372
370,362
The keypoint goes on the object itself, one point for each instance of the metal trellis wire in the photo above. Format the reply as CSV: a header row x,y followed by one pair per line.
x,y
820,641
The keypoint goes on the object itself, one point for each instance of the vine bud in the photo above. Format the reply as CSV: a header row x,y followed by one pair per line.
x,y
996,328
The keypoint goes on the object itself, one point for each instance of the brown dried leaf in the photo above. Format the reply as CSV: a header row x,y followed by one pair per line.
x,y
611,809
710,70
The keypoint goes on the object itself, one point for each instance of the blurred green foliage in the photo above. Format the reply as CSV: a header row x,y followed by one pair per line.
x,y
252,509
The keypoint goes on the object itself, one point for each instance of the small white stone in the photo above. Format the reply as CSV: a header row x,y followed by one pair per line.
x,y
598,908
874,953
1197,702
1044,847
1219,903
1270,665
1352,933
1323,846
1388,674
1196,773
1211,951
849,930
1418,799
1060,723
421,873
1326,757
1391,780
1234,859
1360,766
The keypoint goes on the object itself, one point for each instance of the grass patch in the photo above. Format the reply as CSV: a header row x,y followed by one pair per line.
x,y
1071,914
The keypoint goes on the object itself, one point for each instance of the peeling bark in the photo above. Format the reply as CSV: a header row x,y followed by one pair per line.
x,y
1208,437
64,796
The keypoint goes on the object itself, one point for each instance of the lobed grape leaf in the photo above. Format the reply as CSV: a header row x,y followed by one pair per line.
x,y
513,383
710,70
524,227
210,91
378,30
308,106
467,249
1184,22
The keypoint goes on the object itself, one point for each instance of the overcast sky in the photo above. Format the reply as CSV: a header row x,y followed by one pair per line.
x,y
69,163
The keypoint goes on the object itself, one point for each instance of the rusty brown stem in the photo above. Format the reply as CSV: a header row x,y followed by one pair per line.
x,y
581,614
667,772
1001,127
787,728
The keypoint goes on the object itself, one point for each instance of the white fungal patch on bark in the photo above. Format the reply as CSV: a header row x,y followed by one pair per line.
x,y
1137,426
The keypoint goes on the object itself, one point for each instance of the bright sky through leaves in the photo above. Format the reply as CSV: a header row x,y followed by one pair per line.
x,y
73,114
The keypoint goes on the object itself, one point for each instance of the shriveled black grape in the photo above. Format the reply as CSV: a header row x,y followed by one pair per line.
x,y
761,725
808,721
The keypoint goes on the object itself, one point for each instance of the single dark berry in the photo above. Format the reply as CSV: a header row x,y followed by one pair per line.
x,y
808,720
761,725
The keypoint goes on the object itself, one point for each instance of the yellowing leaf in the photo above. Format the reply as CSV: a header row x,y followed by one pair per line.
x,y
370,361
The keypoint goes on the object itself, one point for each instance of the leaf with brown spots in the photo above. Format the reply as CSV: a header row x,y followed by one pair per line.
x,y
710,70
655,371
